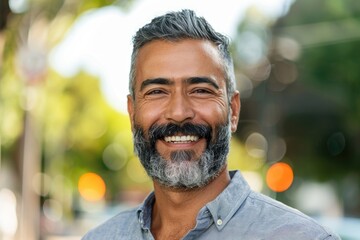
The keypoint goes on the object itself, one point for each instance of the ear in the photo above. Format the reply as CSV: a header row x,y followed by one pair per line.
x,y
235,106
130,108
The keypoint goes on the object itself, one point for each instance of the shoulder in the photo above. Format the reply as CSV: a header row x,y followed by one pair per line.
x,y
115,227
271,206
267,203
279,220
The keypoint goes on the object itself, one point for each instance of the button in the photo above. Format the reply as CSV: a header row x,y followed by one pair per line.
x,y
219,222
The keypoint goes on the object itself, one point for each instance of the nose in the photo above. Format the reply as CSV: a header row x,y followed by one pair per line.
x,y
179,109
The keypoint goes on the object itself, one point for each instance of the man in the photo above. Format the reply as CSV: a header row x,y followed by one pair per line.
x,y
183,106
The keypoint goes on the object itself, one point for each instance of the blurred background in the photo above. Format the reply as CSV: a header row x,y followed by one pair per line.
x,y
66,156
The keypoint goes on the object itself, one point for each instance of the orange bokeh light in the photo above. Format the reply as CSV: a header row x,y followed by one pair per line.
x,y
279,177
91,187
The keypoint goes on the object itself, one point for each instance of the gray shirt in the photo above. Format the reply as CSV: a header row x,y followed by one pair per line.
x,y
237,213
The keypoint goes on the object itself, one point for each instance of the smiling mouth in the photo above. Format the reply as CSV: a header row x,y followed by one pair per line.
x,y
181,139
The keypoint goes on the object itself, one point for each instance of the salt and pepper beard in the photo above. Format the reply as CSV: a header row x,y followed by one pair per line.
x,y
182,171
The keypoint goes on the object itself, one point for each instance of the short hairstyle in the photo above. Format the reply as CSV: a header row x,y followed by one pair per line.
x,y
176,26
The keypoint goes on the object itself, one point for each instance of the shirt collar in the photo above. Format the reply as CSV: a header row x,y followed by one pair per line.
x,y
222,208
144,211
228,202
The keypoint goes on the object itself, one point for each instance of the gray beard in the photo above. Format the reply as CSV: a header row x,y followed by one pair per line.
x,y
182,171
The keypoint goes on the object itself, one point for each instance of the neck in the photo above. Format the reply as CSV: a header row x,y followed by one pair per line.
x,y
176,210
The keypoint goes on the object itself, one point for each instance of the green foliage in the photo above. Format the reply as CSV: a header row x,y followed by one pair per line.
x,y
78,130
308,12
331,64
318,112
79,126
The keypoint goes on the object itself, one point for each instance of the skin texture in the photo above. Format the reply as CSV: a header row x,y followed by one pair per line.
x,y
179,82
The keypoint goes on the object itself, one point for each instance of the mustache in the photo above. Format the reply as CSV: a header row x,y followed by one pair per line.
x,y
160,131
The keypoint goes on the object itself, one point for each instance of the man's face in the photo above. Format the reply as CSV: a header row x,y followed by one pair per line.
x,y
181,117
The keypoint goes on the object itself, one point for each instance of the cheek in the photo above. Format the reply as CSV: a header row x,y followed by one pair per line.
x,y
145,115
213,112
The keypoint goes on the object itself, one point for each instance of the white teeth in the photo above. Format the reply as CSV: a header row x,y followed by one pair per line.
x,y
180,139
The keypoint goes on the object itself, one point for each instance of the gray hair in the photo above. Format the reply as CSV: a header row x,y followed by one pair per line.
x,y
175,26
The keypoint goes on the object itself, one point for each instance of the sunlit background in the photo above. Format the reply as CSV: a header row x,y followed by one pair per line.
x,y
66,156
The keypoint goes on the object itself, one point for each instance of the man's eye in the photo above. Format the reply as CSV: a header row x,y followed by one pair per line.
x,y
202,91
155,92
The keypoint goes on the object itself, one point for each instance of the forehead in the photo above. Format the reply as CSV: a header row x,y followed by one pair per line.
x,y
179,60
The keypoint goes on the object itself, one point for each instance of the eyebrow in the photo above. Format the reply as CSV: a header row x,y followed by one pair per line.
x,y
191,80
196,80
162,81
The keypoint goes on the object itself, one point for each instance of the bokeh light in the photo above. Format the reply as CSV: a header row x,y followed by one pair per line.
x,y
285,72
136,172
245,86
53,209
277,149
319,198
279,177
254,180
239,158
256,145
115,156
42,184
91,187
336,143
8,218
18,6
259,71
250,47
288,48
